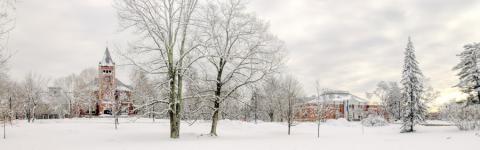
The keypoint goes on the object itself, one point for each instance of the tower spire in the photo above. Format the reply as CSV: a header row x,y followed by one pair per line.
x,y
107,59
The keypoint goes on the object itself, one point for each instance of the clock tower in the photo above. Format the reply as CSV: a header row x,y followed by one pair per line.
x,y
106,82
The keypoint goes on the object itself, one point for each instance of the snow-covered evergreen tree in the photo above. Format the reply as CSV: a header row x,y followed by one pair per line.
x,y
469,72
414,109
463,113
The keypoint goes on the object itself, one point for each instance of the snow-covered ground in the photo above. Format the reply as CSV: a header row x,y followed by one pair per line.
x,y
99,134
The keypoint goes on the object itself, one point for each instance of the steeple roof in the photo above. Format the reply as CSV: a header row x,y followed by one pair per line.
x,y
107,59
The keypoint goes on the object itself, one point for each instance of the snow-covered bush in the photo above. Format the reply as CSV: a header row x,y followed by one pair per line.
x,y
465,117
374,121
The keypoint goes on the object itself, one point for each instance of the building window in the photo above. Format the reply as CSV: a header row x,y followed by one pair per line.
x,y
109,112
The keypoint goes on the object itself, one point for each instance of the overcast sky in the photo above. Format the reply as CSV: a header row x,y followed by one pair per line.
x,y
345,44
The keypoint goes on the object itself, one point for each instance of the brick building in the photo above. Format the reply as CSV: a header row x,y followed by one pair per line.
x,y
337,104
109,90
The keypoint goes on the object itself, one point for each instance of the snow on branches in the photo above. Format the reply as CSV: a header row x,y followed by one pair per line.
x,y
412,87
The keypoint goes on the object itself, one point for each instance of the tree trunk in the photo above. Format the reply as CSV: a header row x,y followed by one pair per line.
x,y
174,133
319,117
10,112
255,115
4,127
213,130
289,125
114,112
153,113
177,120
174,126
289,118
179,105
411,115
116,122
318,129
174,121
27,115
478,96
399,111
33,113
216,103
270,114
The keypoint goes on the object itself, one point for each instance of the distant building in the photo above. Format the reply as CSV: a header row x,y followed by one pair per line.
x,y
59,97
109,90
105,92
337,104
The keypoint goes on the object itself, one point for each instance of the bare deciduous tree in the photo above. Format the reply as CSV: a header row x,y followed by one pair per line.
x,y
144,94
32,88
272,94
320,108
292,90
165,26
78,90
239,49
390,95
7,18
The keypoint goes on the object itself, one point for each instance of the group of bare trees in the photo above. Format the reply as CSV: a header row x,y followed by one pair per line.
x,y
7,18
193,60
32,98
205,54
22,99
144,95
77,92
390,96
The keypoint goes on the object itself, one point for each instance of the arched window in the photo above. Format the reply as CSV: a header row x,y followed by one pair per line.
x,y
107,71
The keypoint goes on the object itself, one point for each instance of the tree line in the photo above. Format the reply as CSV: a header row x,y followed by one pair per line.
x,y
214,59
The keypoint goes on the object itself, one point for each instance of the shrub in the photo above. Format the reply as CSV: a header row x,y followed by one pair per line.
x,y
374,121
466,118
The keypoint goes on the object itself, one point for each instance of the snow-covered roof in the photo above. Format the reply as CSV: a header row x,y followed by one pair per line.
x,y
107,59
120,85
338,97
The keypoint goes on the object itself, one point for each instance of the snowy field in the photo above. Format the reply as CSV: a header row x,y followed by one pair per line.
x,y
99,134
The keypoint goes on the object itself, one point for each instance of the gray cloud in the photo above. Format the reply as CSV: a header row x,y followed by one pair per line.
x,y
345,44
56,38
351,45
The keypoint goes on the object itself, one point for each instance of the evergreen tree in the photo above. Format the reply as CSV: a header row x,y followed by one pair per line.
x,y
469,72
414,109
